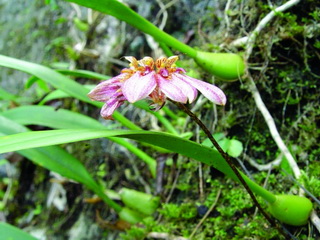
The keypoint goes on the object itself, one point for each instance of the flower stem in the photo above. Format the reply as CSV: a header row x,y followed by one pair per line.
x,y
230,163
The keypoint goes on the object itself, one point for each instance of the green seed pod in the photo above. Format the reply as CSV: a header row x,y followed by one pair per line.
x,y
142,202
226,66
130,215
290,209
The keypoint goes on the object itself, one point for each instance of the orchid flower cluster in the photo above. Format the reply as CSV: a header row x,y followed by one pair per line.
x,y
154,80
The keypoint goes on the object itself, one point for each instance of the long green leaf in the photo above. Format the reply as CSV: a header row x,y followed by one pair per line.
x,y
61,119
50,117
61,82
83,74
59,94
53,157
164,140
6,95
56,159
9,232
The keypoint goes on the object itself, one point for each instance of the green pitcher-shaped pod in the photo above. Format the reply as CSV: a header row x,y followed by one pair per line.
x,y
142,202
226,66
290,209
130,216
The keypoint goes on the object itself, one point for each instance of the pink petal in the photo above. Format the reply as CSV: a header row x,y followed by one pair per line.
x,y
190,91
105,90
171,89
108,108
138,87
213,93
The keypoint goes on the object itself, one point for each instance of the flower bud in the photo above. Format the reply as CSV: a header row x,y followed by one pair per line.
x,y
227,66
290,209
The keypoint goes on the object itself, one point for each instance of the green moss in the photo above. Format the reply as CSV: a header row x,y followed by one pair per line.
x,y
310,179
135,232
175,211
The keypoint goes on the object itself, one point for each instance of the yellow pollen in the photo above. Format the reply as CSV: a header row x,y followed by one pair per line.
x,y
171,61
147,61
161,62
133,61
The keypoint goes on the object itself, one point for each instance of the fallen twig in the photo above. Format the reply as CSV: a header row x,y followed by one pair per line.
x,y
264,167
166,236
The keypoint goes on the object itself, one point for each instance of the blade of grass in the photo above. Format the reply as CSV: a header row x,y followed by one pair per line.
x,y
164,140
6,95
62,119
8,232
83,74
58,160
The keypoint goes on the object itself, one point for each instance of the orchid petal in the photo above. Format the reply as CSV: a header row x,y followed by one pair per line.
x,y
105,90
171,89
138,87
210,91
190,91
108,109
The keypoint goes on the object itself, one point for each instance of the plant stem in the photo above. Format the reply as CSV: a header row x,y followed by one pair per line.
x,y
230,163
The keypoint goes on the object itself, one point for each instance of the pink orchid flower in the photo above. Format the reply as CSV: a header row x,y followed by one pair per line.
x,y
154,80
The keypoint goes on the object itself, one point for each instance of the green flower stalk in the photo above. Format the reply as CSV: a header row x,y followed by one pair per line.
x,y
227,66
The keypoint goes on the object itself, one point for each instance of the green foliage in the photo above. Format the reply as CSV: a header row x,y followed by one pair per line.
x,y
233,215
311,180
144,203
179,212
168,141
230,219
82,26
9,232
134,232
231,146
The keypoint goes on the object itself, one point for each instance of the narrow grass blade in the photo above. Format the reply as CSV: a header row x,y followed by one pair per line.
x,y
164,140
8,232
62,119
56,159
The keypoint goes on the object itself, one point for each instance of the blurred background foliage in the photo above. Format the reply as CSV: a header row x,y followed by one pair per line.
x,y
284,65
